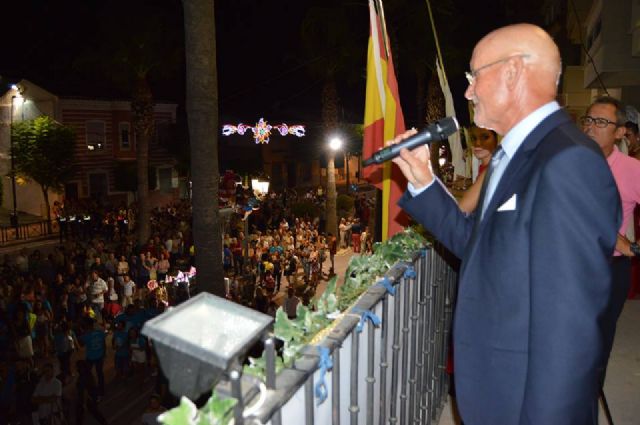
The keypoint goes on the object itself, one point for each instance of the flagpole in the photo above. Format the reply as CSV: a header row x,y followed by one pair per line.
x,y
383,27
435,37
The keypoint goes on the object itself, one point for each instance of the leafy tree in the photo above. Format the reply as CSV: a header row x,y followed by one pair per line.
x,y
43,152
202,117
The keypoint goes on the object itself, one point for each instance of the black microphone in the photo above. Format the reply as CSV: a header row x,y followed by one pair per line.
x,y
433,133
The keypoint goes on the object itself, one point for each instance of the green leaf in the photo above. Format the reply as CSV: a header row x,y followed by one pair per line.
x,y
220,409
184,414
285,329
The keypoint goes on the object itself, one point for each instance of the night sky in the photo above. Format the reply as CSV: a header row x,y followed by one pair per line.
x,y
264,68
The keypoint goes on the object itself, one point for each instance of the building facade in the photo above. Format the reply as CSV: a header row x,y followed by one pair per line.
x,y
105,148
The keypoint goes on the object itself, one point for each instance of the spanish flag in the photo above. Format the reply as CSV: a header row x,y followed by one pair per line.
x,y
383,120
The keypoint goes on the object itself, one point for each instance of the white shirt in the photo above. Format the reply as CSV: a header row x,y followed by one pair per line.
x,y
47,388
97,289
128,288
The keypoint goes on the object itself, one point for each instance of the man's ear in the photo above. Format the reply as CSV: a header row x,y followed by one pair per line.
x,y
513,71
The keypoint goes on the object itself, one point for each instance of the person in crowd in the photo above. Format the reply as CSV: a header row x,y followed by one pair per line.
x,y
277,269
47,396
122,354
356,230
484,142
65,342
290,304
604,122
87,394
42,329
97,290
333,249
549,216
21,327
144,271
342,231
94,343
633,136
163,266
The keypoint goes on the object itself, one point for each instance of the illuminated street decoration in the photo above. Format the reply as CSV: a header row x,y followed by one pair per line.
x,y
262,130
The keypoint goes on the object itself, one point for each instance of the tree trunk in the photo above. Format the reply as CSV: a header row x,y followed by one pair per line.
x,y
142,116
45,194
330,123
332,215
202,117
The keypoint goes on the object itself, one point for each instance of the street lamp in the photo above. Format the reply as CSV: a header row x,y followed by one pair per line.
x,y
16,100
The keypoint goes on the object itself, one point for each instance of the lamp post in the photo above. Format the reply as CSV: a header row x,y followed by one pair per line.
x,y
15,99
335,143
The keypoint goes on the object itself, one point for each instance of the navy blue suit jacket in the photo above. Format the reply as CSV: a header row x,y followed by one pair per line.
x,y
535,282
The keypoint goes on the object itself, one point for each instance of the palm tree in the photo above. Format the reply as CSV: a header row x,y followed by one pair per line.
x,y
129,58
329,43
202,116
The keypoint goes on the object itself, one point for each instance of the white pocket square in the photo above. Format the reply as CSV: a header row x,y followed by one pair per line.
x,y
510,205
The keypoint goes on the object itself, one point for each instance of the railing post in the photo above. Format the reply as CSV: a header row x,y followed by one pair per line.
x,y
236,391
335,388
406,307
395,361
384,365
371,379
308,401
353,407
413,298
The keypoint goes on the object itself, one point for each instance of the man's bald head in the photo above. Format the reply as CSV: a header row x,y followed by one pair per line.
x,y
524,73
530,40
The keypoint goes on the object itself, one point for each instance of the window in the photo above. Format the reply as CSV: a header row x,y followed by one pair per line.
x,y
124,134
95,135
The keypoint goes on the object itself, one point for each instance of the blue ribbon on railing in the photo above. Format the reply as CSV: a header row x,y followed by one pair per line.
x,y
410,273
325,365
364,315
386,283
423,253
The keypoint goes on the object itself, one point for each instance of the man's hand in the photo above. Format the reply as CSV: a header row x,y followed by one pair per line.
x,y
415,164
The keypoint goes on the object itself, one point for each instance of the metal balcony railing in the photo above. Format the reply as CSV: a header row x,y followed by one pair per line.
x,y
382,362
27,231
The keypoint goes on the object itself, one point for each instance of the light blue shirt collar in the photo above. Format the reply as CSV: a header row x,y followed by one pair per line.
x,y
514,138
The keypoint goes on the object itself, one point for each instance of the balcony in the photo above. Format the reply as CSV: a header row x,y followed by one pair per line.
x,y
381,360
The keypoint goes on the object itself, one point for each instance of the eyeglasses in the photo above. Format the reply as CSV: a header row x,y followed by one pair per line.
x,y
471,75
586,121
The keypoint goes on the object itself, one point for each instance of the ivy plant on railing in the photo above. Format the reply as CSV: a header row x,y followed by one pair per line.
x,y
217,411
361,273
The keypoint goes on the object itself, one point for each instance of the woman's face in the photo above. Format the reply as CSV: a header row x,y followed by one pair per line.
x,y
483,142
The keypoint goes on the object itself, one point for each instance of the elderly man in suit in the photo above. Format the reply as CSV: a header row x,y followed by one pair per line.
x,y
530,339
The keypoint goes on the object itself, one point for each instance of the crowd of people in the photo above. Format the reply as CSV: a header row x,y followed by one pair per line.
x,y
285,251
88,297
85,302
